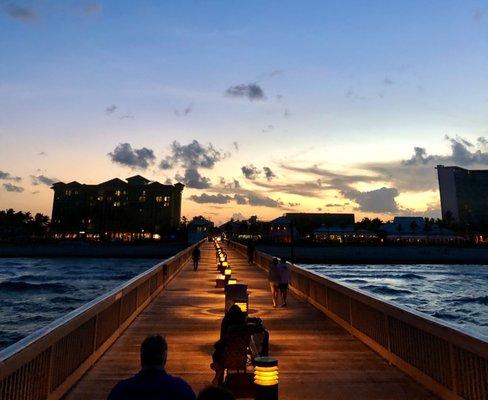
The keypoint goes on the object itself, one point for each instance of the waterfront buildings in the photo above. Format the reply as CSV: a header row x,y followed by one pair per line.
x,y
464,196
303,225
199,228
125,210
417,230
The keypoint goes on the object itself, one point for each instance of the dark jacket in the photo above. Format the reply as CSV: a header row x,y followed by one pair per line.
x,y
152,384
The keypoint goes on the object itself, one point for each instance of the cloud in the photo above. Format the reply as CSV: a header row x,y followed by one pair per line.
x,y
268,129
12,188
388,82
185,111
127,116
236,146
42,153
5,176
251,91
111,109
292,204
286,113
477,15
21,13
124,155
379,200
36,192
192,155
91,9
238,217
268,173
240,199
232,184
250,172
205,198
272,74
264,201
193,179
43,180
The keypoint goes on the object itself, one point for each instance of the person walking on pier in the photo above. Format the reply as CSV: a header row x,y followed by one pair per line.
x,y
152,382
274,280
251,249
285,277
195,255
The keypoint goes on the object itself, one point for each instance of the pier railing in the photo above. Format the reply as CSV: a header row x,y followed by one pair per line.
x,y
47,363
447,361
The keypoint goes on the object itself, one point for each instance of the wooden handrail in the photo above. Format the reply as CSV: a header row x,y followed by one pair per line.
x,y
448,361
48,362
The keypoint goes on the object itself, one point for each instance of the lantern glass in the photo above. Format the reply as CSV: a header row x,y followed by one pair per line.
x,y
242,306
232,282
266,371
228,271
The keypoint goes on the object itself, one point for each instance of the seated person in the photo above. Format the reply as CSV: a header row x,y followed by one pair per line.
x,y
215,393
152,382
235,320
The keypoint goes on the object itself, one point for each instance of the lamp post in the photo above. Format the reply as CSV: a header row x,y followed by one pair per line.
x,y
291,242
266,378
236,294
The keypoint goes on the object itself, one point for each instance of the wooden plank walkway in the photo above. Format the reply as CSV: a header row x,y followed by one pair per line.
x,y
317,358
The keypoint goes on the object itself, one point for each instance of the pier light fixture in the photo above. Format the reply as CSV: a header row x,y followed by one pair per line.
x,y
242,306
228,272
232,282
266,378
220,281
236,293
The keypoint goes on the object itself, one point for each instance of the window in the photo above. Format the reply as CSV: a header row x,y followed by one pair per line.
x,y
116,203
166,201
67,192
159,199
100,198
118,193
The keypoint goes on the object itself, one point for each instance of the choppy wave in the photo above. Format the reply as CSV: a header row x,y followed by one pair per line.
x,y
20,286
457,294
34,292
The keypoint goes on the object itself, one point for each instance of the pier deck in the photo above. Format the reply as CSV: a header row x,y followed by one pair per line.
x,y
317,358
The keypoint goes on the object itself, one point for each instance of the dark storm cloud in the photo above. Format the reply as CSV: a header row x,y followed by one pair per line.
x,y
250,172
43,180
5,176
21,13
251,91
192,155
193,179
269,173
205,198
12,188
125,155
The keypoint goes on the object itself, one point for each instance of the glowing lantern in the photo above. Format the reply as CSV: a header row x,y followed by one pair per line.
x,y
232,282
266,378
227,272
242,306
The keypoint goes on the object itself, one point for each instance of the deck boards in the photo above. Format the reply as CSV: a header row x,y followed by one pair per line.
x,y
317,358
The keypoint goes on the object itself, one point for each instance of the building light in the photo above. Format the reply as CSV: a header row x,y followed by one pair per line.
x,y
157,236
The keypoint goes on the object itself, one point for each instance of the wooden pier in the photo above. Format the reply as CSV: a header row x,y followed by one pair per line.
x,y
318,359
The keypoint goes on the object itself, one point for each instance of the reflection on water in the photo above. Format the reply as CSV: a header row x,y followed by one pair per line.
x,y
457,294
34,292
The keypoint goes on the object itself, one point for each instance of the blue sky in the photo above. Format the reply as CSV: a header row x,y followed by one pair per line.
x,y
344,84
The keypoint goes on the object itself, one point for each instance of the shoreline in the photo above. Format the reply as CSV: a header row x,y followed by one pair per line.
x,y
391,254
89,250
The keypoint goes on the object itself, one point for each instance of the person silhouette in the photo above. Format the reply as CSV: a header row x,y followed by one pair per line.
x,y
152,382
195,255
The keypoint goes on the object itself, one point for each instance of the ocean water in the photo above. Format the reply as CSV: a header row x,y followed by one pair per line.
x,y
457,294
34,292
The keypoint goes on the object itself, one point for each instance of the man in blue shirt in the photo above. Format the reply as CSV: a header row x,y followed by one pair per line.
x,y
152,382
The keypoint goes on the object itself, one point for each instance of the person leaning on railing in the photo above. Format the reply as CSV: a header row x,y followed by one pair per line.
x,y
152,382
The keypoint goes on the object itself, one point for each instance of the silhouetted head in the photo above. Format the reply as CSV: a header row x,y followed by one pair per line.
x,y
275,261
283,260
215,393
235,315
154,350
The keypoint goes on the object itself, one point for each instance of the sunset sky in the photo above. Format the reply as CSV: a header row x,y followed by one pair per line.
x,y
258,107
